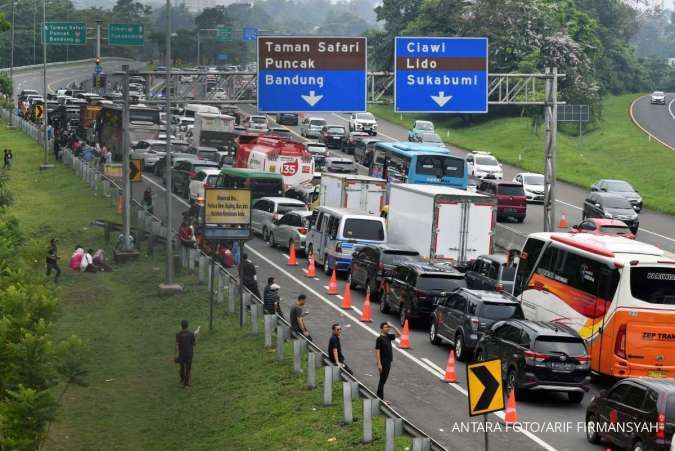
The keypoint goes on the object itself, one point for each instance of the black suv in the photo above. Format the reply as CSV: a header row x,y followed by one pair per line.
x,y
461,317
332,136
184,170
611,206
538,356
351,140
413,289
372,263
637,402
490,272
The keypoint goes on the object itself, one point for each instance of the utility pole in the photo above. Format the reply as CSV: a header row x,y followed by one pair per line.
x,y
125,159
45,119
550,146
34,29
98,59
11,74
199,62
169,286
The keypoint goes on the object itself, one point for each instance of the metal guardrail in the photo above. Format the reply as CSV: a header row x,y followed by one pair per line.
x,y
62,63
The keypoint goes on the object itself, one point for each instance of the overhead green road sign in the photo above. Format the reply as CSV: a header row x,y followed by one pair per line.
x,y
65,33
125,34
224,34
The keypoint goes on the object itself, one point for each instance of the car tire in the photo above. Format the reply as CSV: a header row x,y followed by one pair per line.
x,y
512,381
575,397
433,334
638,446
265,234
271,241
326,267
350,279
461,352
384,304
186,192
592,427
520,219
479,356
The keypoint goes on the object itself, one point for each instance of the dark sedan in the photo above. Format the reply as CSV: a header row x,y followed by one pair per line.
x,y
332,136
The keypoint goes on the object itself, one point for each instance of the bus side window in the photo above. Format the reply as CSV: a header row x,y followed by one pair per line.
x,y
318,222
528,259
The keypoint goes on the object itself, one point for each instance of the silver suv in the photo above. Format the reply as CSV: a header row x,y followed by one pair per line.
x,y
267,210
311,127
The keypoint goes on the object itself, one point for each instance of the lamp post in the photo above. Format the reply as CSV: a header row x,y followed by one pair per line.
x,y
45,121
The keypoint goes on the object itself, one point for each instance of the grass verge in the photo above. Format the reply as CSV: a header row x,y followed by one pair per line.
x,y
241,397
614,149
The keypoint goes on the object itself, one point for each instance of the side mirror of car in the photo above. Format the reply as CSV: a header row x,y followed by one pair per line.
x,y
603,189
594,189
597,205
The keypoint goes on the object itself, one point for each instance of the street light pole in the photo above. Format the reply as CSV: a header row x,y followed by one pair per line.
x,y
45,119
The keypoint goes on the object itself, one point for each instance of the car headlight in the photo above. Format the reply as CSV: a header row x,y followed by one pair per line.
x,y
607,215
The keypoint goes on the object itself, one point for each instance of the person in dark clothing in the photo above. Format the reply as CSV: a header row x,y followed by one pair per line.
x,y
7,158
297,321
249,276
271,298
384,354
185,343
53,260
335,349
57,149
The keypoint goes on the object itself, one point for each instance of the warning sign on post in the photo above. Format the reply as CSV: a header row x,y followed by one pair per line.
x,y
228,207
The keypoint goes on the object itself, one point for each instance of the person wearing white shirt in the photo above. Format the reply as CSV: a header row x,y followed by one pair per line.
x,y
87,263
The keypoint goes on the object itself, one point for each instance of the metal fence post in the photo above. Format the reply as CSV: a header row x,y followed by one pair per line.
x,y
297,355
347,402
201,271
209,276
231,297
327,386
255,311
421,444
220,280
192,256
311,369
270,321
389,434
367,421
280,343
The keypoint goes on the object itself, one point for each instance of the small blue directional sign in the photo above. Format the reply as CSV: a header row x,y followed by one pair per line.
x,y
441,75
311,73
222,56
249,34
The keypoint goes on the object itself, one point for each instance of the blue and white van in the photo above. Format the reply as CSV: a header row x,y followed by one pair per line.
x,y
337,232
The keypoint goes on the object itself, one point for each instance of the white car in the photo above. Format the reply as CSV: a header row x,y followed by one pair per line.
x,y
484,165
363,122
257,122
658,98
267,210
205,178
533,185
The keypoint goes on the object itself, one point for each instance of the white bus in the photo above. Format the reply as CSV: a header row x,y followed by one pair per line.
x,y
618,294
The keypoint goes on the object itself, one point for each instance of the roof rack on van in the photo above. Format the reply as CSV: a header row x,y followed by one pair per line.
x,y
589,247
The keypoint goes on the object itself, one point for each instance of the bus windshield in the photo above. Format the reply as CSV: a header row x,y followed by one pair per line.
x,y
440,166
143,115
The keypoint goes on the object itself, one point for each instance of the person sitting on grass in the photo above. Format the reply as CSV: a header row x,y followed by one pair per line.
x,y
87,262
76,258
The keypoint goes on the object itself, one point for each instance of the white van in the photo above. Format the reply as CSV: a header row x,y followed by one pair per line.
x,y
192,108
336,232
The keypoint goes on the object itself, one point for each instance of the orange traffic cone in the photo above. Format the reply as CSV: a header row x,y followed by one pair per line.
x,y
365,314
450,376
120,205
292,260
347,299
511,416
311,269
405,337
563,224
332,285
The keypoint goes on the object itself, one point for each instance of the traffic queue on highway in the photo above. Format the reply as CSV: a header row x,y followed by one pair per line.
x,y
416,235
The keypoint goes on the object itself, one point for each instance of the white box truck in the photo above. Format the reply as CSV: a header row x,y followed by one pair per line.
x,y
359,192
441,223
211,130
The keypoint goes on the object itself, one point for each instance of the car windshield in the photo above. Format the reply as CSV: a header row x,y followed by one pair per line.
x,y
441,282
615,202
500,311
397,257
421,125
365,116
658,93
320,122
560,345
180,148
340,130
510,190
285,208
615,229
653,285
258,119
316,149
342,162
363,229
431,138
486,161
620,186
534,179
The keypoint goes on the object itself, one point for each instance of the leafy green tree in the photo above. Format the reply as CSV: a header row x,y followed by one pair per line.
x,y
438,18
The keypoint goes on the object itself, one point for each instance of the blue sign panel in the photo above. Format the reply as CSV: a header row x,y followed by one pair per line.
x,y
249,34
311,74
441,75
222,57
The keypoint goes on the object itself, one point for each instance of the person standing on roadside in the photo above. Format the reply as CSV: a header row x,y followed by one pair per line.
x,y
384,354
297,320
335,349
53,260
185,343
271,298
7,159
249,276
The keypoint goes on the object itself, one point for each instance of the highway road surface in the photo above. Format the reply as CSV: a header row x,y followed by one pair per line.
x,y
658,120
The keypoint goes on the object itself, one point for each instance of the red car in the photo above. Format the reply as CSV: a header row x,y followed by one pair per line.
x,y
511,198
600,226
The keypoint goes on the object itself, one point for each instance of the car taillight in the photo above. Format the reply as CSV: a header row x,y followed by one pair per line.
x,y
338,248
661,426
535,358
475,322
302,230
499,287
620,343
275,217
584,361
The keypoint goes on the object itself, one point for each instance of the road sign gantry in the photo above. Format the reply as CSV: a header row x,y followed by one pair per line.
x,y
312,74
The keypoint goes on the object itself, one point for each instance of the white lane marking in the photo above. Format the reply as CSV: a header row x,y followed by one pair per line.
x,y
339,296
364,326
357,310
670,106
287,257
381,134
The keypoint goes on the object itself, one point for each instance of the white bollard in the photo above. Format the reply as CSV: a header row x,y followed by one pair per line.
x,y
311,370
297,355
347,402
270,322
